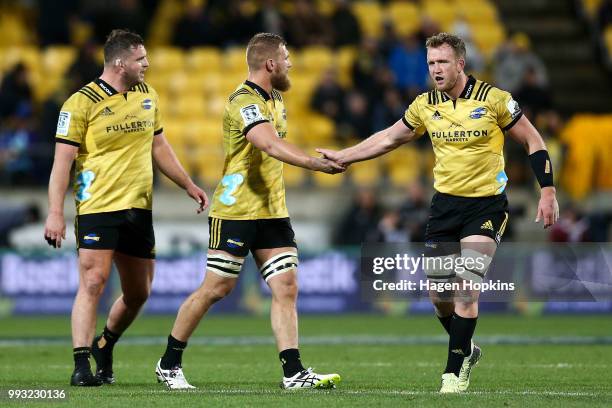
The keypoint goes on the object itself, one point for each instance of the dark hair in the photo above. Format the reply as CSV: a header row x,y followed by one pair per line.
x,y
118,42
452,40
262,47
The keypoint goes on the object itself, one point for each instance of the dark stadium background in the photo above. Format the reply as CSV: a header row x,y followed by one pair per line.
x,y
356,67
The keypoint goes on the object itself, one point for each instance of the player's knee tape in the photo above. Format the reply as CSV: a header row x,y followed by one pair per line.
x,y
475,265
278,264
224,265
439,268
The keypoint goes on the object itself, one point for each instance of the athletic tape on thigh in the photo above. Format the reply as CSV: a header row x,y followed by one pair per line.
x,y
479,265
224,265
280,263
439,267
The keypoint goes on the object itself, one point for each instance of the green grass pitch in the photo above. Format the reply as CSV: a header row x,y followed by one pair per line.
x,y
560,361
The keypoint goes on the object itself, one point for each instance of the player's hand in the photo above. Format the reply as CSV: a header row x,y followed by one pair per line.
x,y
199,196
548,208
332,155
55,229
326,166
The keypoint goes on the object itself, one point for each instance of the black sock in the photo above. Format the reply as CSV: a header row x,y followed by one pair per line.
x,y
174,353
81,357
460,342
446,321
291,362
107,341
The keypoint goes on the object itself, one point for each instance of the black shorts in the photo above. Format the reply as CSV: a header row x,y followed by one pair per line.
x,y
238,237
127,231
452,218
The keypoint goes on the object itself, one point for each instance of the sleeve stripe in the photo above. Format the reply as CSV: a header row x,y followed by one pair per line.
x,y
66,141
509,125
484,98
478,91
89,96
408,125
158,131
94,93
252,125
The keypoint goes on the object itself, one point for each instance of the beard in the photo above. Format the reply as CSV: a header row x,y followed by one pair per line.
x,y
132,79
280,81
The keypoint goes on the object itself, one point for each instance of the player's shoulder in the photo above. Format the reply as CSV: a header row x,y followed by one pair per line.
x,y
485,92
276,95
87,96
425,98
144,87
243,96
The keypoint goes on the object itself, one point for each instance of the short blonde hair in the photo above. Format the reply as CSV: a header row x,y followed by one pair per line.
x,y
262,47
456,43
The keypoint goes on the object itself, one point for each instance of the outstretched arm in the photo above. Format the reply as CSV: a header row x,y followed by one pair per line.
x,y
168,163
264,137
527,135
376,145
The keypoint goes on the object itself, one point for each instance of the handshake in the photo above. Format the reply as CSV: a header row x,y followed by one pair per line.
x,y
330,162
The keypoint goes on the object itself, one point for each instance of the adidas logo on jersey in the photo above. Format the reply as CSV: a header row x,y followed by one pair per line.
x,y
436,116
106,112
487,225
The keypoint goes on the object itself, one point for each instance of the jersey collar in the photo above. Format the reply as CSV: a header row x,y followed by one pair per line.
x,y
469,88
105,86
260,91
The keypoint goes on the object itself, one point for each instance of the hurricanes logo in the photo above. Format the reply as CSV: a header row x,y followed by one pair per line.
x,y
488,225
234,243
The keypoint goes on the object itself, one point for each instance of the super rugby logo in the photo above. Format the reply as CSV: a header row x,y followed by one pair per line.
x,y
91,238
147,104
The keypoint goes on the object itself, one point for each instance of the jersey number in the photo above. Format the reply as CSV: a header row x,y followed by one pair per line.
x,y
231,182
83,182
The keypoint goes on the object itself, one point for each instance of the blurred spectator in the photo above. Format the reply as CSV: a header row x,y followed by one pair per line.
x,y
408,62
390,229
20,150
532,96
307,26
194,28
414,212
604,14
14,216
54,19
571,227
389,111
360,223
237,25
355,123
388,40
15,92
269,18
328,96
427,28
512,59
86,67
369,70
474,61
346,27
108,15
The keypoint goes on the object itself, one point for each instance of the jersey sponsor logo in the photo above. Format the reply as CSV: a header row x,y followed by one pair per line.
x,y
234,243
478,113
501,178
91,238
131,127
488,225
63,123
436,116
459,135
107,112
147,104
128,117
251,114
231,182
513,108
101,85
83,183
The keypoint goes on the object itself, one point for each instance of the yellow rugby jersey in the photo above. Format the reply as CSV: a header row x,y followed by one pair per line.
x,y
252,185
467,137
114,132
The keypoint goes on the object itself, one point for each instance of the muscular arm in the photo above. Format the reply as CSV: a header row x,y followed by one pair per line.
x,y
376,145
55,226
265,138
168,163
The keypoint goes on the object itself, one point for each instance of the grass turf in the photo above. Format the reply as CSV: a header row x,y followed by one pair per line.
x,y
246,372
